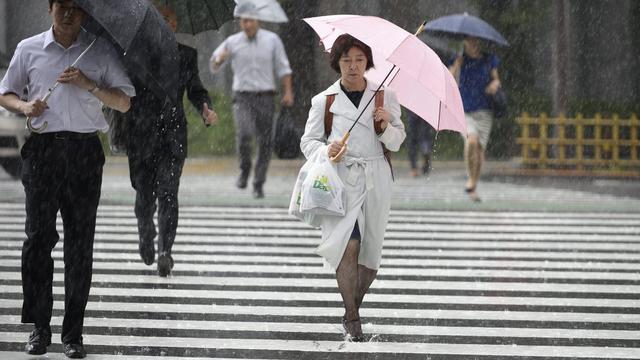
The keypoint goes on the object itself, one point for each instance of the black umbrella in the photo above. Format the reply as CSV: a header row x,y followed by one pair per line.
x,y
196,16
147,45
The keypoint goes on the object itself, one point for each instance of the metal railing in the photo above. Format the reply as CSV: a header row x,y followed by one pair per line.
x,y
579,143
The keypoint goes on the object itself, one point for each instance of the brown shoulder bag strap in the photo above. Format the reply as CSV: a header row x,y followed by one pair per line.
x,y
328,115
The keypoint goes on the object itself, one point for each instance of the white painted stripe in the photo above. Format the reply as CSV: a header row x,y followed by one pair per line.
x,y
329,328
367,312
394,212
594,256
294,269
399,215
331,283
603,245
390,299
314,260
391,236
263,228
205,219
349,347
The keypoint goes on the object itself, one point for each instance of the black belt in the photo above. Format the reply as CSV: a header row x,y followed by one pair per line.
x,y
257,93
66,135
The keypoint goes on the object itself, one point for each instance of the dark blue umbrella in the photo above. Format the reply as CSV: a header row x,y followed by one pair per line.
x,y
458,25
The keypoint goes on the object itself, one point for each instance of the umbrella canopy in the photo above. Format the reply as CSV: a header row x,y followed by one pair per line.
x,y
421,81
465,25
196,16
147,45
263,10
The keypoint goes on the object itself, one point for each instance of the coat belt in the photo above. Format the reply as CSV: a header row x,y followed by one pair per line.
x,y
356,164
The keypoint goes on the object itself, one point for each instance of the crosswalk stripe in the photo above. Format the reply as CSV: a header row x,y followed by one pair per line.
x,y
261,227
391,236
331,328
313,260
336,311
335,297
364,348
455,284
151,278
124,268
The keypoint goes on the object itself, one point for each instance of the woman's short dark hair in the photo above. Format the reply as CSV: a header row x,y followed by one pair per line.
x,y
342,45
54,1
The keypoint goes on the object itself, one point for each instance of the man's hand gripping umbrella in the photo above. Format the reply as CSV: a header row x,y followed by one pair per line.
x,y
43,127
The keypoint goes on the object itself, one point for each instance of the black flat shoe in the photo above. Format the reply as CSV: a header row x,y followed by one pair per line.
x,y
165,264
74,351
39,339
258,193
473,195
353,330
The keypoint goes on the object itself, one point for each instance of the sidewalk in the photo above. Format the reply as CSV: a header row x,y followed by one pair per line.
x,y
211,182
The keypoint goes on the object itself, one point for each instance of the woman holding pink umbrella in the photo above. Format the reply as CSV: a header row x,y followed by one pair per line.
x,y
352,244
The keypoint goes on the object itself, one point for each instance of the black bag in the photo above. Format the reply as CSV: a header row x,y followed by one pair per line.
x,y
286,136
498,103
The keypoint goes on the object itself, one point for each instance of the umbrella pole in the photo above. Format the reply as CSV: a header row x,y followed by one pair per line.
x,y
348,133
46,97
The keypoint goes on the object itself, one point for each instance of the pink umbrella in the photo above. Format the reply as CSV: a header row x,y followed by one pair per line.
x,y
421,81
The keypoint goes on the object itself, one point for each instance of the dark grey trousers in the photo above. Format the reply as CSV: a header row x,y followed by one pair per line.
x,y
253,116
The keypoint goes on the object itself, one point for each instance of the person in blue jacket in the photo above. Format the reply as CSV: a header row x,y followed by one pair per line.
x,y
477,75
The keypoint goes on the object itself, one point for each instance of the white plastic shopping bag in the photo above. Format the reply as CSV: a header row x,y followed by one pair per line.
x,y
312,215
296,196
322,191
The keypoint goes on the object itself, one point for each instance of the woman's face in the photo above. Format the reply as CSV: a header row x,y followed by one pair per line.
x,y
472,44
353,64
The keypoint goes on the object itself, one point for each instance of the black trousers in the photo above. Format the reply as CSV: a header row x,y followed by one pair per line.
x,y
61,172
157,178
420,138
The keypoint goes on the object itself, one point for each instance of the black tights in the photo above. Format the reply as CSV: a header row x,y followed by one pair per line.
x,y
353,279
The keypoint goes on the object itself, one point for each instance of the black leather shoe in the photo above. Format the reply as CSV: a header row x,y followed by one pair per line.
x,y
258,193
165,264
39,339
147,250
74,351
241,183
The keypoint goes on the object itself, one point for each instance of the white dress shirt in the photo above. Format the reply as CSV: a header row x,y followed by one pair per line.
x,y
38,62
255,62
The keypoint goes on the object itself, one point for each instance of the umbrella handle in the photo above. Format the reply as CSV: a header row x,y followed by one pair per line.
x,y
30,119
421,28
35,129
338,156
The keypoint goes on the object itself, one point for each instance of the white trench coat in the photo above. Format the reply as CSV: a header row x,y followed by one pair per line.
x,y
364,171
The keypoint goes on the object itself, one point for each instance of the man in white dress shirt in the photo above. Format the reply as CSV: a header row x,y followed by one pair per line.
x,y
257,57
62,166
